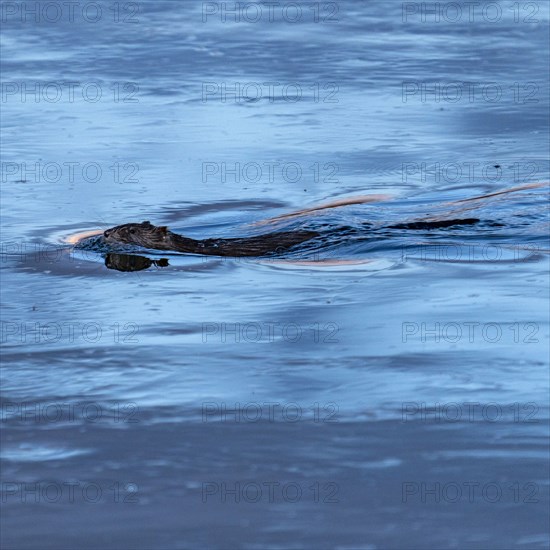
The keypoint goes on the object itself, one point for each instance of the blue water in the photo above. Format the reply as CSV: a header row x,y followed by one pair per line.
x,y
385,390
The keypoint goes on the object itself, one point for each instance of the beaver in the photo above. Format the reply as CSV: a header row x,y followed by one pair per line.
x,y
147,235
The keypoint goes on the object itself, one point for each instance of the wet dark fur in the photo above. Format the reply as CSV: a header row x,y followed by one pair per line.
x,y
148,235
439,224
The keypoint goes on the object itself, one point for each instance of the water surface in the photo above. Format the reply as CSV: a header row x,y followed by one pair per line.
x,y
283,402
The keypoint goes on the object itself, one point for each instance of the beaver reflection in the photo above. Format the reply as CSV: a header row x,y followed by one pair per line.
x,y
131,262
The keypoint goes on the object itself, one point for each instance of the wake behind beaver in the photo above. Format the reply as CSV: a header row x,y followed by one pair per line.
x,y
149,236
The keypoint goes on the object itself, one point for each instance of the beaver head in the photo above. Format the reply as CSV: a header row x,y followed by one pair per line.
x,y
143,234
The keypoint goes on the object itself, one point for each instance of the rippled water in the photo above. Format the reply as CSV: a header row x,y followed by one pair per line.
x,y
383,388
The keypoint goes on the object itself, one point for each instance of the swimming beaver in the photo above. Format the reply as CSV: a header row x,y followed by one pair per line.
x,y
147,235
160,238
